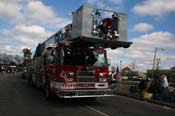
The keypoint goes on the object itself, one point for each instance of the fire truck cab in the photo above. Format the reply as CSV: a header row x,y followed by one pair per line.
x,y
76,72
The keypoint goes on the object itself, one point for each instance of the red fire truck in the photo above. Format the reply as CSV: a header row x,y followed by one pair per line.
x,y
73,63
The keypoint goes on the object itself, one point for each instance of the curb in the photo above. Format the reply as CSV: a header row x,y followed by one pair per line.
x,y
148,100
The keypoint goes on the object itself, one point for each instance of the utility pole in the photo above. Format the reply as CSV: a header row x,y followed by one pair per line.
x,y
154,59
120,66
152,72
158,62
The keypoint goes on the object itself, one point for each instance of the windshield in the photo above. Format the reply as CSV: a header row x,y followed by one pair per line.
x,y
82,58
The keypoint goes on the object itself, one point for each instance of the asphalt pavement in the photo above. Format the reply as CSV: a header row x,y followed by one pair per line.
x,y
17,98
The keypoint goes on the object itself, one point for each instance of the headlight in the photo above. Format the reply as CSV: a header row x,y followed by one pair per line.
x,y
70,79
69,74
102,79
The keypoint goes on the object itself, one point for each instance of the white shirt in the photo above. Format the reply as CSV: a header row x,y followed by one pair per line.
x,y
164,82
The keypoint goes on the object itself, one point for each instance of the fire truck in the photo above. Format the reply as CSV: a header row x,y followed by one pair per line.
x,y
27,60
72,63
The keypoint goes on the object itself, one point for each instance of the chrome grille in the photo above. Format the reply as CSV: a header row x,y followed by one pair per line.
x,y
86,79
86,73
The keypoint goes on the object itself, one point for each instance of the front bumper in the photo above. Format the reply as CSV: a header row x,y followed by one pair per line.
x,y
85,93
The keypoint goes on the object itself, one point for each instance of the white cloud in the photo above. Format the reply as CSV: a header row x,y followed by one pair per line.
x,y
42,14
32,31
38,11
11,11
30,19
30,12
27,41
142,50
157,8
4,32
155,39
143,27
4,42
23,35
12,50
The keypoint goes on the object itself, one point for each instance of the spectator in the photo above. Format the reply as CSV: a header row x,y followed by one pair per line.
x,y
115,79
142,86
112,81
155,87
164,87
118,78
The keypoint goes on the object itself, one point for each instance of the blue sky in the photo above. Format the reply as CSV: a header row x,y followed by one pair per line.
x,y
25,23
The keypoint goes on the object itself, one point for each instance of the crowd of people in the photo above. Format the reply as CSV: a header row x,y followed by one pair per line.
x,y
158,87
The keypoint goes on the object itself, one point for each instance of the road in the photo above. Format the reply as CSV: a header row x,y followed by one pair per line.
x,y
17,98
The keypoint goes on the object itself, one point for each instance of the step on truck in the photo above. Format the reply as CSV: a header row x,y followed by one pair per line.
x,y
72,63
